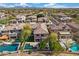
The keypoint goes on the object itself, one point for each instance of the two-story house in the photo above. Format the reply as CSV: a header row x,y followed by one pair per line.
x,y
41,32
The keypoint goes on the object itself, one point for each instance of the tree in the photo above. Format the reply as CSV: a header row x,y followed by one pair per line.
x,y
54,45
26,32
42,44
53,42
40,15
52,39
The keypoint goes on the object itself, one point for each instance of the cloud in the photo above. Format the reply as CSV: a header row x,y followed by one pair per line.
x,y
49,5
24,5
55,5
61,5
2,5
7,5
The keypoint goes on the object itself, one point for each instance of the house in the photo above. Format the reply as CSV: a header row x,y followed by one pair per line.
x,y
41,32
33,25
34,18
60,27
43,19
66,19
21,17
31,18
65,37
2,15
12,30
73,26
2,27
61,17
55,21
15,21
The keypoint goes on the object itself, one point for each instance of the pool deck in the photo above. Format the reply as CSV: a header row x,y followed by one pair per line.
x,y
40,53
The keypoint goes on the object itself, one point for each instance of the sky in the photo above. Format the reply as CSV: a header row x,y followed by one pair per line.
x,y
39,5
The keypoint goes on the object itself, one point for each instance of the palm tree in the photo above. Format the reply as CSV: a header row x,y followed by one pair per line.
x,y
52,39
26,32
54,45
42,44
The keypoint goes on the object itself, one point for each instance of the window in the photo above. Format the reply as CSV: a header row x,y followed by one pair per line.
x,y
19,30
69,36
13,37
35,47
47,25
68,29
37,40
37,35
62,37
11,31
43,20
3,31
19,21
14,22
42,34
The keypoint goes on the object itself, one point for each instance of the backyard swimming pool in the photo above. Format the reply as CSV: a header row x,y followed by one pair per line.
x,y
11,47
28,46
74,47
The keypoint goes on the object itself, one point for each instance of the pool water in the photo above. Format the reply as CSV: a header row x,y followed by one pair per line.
x,y
74,47
28,46
12,47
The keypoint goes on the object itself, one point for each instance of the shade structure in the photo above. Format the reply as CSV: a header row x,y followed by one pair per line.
x,y
4,37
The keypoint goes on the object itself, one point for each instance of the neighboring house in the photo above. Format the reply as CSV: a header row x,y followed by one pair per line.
x,y
12,30
61,17
21,17
65,37
14,21
33,25
43,19
41,32
2,27
32,18
66,19
73,26
55,21
2,15
60,27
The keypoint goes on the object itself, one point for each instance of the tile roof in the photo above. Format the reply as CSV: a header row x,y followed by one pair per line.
x,y
73,25
13,26
60,26
41,29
